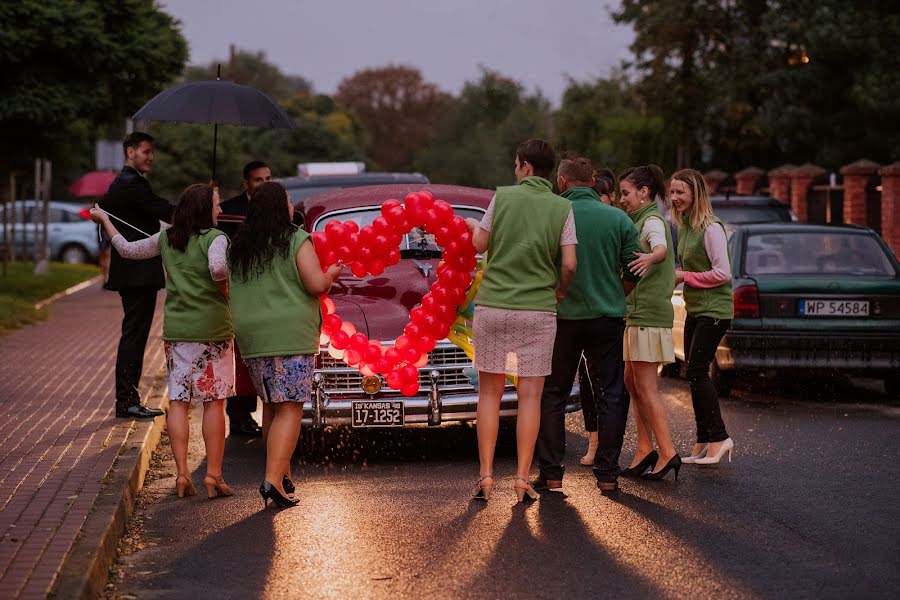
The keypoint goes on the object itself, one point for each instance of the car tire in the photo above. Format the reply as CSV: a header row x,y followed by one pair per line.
x,y
892,386
722,380
74,254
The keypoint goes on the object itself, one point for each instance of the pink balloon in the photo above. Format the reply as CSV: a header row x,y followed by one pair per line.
x,y
423,360
352,357
366,370
348,328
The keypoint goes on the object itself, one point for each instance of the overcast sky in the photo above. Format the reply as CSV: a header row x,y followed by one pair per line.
x,y
537,42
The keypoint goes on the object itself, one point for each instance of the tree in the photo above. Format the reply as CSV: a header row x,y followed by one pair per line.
x,y
253,69
73,61
398,109
476,141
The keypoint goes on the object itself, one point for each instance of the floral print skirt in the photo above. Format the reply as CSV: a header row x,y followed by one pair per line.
x,y
200,371
282,378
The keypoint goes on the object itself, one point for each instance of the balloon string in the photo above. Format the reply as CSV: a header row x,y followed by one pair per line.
x,y
123,221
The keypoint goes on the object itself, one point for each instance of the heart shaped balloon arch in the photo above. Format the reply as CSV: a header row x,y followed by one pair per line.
x,y
368,251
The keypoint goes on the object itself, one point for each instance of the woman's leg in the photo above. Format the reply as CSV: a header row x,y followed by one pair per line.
x,y
283,433
644,438
707,334
214,435
268,415
179,431
650,406
528,421
690,325
487,418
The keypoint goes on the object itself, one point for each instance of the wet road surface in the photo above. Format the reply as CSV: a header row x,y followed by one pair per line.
x,y
808,509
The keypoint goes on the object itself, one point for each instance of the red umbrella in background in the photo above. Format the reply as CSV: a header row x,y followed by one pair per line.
x,y
95,183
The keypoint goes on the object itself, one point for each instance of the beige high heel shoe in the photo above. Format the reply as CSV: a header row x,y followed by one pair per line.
x,y
525,492
693,457
483,490
187,487
216,486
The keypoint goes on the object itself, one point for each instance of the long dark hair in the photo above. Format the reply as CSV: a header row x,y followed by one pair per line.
x,y
193,213
605,183
266,232
650,176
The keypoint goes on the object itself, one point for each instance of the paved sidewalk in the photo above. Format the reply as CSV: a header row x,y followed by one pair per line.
x,y
59,438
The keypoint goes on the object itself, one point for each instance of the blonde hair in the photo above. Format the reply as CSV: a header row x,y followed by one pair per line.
x,y
700,214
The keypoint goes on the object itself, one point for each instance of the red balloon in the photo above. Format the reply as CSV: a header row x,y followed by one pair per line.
x,y
359,269
410,354
393,380
340,339
332,322
327,305
457,295
381,225
373,352
410,389
408,374
382,365
426,344
429,302
440,292
429,322
413,331
417,314
390,204
366,236
396,217
328,259
441,330
365,369
432,219
335,230
392,355
352,357
365,254
381,244
392,257
403,342
442,234
320,241
445,313
465,239
376,267
351,227
457,225
359,341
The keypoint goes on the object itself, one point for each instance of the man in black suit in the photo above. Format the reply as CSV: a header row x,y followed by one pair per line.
x,y
137,281
240,408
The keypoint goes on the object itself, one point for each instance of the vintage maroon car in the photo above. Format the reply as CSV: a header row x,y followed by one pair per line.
x,y
379,307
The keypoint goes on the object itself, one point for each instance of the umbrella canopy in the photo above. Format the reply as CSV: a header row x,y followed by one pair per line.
x,y
95,183
215,102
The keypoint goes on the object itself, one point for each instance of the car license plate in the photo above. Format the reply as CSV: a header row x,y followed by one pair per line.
x,y
377,414
834,308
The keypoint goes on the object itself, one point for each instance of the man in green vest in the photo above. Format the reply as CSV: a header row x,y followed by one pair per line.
x,y
590,320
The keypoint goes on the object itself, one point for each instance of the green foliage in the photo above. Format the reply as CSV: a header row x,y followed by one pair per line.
x,y
21,289
476,142
78,60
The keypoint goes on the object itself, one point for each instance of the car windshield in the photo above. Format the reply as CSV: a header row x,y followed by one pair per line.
x,y
753,214
797,253
414,240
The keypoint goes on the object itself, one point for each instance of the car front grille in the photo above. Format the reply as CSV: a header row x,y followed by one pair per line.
x,y
448,360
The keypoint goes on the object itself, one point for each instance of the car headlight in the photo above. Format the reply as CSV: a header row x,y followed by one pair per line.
x,y
371,384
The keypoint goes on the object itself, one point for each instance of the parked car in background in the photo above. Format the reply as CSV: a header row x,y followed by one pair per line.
x,y
315,178
72,234
808,299
738,210
379,307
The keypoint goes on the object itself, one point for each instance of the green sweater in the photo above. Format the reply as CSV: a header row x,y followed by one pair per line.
x,y
520,273
273,314
716,302
195,310
607,241
650,303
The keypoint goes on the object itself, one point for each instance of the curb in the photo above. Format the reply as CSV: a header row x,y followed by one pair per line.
x,y
85,571
67,292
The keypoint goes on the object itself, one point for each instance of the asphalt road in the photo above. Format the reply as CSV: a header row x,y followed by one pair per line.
x,y
808,509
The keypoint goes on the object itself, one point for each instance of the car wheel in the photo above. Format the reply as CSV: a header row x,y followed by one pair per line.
x,y
722,380
892,386
74,254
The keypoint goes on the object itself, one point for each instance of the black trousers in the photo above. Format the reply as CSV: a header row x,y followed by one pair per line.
x,y
240,407
701,338
139,305
588,404
600,340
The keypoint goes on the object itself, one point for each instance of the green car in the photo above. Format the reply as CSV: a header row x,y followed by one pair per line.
x,y
808,299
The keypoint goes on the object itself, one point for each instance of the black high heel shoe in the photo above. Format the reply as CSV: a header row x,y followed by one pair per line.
x,y
268,492
646,463
288,485
674,463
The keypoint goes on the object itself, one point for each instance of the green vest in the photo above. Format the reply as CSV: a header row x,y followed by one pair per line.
x,y
650,303
273,314
195,310
716,302
607,241
520,273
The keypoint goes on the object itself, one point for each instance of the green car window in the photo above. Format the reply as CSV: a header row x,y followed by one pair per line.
x,y
796,253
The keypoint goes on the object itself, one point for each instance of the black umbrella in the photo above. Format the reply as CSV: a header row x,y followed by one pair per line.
x,y
217,102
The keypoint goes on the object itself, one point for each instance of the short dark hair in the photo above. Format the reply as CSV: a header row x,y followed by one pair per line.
x,y
252,166
576,168
539,154
135,139
604,182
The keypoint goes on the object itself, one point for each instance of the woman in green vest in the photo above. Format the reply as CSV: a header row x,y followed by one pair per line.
x,y
648,331
197,330
706,274
524,231
276,280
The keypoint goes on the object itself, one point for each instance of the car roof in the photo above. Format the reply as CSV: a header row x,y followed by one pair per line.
x,y
357,179
376,195
734,200
801,228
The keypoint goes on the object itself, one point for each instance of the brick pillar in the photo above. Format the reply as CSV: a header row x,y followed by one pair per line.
x,y
714,179
890,205
746,180
801,177
856,176
780,183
